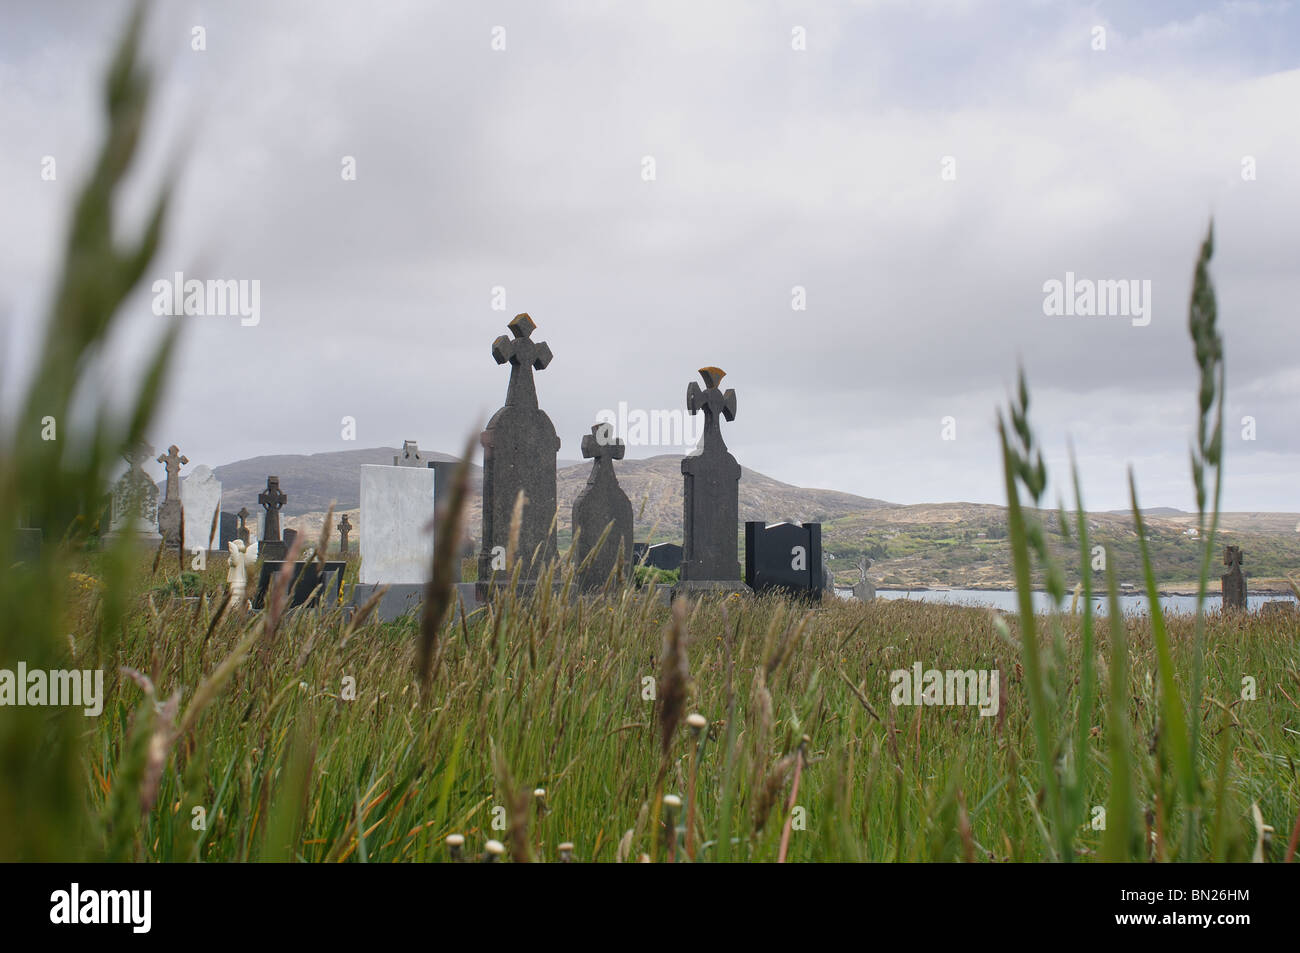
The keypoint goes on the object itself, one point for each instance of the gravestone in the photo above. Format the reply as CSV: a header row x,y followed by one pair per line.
x,y
169,513
272,498
200,499
410,455
601,502
666,556
710,494
785,557
1234,583
307,575
288,537
243,524
863,589
519,452
135,500
228,531
398,506
828,577
345,527
639,551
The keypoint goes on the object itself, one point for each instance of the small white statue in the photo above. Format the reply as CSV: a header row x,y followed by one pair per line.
x,y
241,558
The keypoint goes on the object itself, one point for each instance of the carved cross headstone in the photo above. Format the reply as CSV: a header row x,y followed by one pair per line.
x,y
1234,583
272,498
863,589
345,527
135,497
711,490
410,455
243,524
601,503
170,514
519,450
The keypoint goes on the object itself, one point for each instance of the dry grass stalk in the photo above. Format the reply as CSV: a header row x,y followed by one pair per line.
x,y
437,593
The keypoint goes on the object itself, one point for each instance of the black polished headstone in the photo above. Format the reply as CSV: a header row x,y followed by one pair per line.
x,y
666,556
229,531
786,557
306,576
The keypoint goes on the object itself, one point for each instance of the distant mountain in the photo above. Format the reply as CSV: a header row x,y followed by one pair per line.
x,y
311,481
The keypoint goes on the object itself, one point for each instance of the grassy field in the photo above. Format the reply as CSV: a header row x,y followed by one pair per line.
x,y
747,729
284,761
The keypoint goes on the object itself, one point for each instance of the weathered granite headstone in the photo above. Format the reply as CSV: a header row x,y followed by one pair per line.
x,y
410,455
135,500
200,499
272,498
863,589
601,502
169,513
345,527
519,452
243,524
229,530
711,493
288,537
397,506
785,557
666,556
1234,583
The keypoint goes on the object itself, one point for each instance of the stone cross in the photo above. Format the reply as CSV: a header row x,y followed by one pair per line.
x,y
601,503
410,455
272,498
863,589
1234,583
524,355
711,492
170,513
345,527
519,450
173,460
243,524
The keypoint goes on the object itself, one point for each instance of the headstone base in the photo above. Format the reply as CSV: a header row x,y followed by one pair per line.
x,y
273,550
710,587
402,598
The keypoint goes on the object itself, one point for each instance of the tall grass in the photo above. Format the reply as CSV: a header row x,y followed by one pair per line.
x,y
706,731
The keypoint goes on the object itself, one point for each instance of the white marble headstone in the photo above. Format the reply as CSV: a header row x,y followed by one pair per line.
x,y
396,513
201,497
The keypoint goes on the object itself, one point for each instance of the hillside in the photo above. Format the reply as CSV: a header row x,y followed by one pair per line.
x,y
960,545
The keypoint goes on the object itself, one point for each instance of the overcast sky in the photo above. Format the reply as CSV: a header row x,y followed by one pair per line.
x,y
524,169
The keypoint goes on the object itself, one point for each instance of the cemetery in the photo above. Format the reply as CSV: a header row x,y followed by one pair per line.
x,y
508,654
